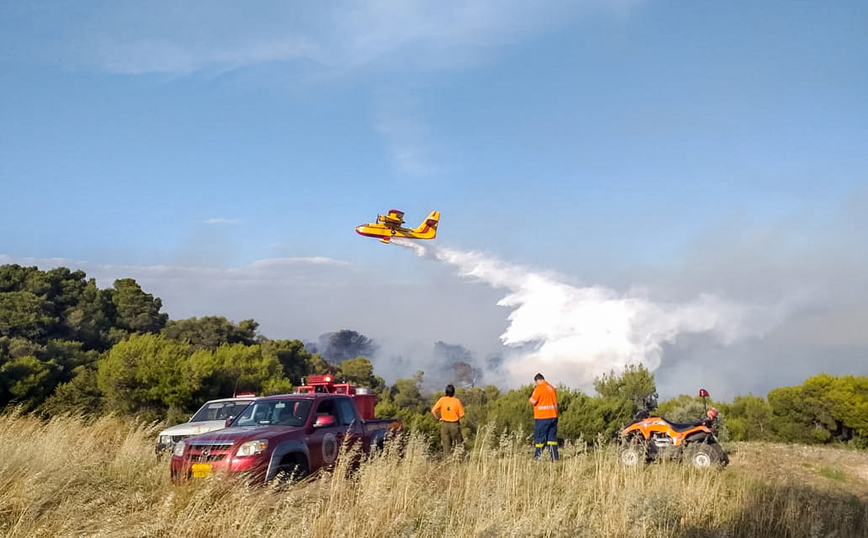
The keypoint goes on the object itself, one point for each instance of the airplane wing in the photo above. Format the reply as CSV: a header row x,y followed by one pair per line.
x,y
394,217
392,220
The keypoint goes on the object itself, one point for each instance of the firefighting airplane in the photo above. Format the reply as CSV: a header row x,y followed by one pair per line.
x,y
389,226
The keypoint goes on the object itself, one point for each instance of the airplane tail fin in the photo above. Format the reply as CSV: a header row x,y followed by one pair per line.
x,y
428,228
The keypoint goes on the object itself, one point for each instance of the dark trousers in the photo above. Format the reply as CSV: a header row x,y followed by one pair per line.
x,y
545,433
450,435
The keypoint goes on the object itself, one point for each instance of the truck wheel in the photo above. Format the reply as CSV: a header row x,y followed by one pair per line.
x,y
396,442
377,446
291,471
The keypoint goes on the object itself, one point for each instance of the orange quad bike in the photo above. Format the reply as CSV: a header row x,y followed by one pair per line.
x,y
650,438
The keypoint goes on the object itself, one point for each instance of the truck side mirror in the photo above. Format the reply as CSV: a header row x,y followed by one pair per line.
x,y
324,421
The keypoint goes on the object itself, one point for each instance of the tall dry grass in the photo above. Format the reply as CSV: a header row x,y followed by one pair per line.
x,y
70,477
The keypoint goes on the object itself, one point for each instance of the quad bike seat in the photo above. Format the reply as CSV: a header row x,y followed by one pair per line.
x,y
682,426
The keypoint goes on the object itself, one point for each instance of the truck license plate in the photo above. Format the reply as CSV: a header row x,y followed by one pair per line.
x,y
201,470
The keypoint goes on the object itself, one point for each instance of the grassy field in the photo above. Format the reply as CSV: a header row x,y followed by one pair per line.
x,y
73,478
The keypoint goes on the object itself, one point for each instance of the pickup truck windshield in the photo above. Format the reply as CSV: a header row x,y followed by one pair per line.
x,y
287,412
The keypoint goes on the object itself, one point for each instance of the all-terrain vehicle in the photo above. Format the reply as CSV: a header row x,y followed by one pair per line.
x,y
650,438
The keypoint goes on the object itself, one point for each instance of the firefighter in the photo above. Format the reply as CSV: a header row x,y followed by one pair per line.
x,y
448,411
545,413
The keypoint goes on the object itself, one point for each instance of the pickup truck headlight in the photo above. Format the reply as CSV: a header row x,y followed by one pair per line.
x,y
251,448
164,440
179,449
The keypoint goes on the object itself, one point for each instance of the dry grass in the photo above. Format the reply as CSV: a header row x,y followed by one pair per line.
x,y
72,478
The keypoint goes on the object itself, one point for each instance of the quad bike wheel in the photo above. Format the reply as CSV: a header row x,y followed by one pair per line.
x,y
632,454
703,456
724,457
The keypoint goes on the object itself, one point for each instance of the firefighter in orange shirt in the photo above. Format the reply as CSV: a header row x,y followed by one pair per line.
x,y
545,413
448,410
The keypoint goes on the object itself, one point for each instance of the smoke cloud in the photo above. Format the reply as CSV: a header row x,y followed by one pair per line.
x,y
577,333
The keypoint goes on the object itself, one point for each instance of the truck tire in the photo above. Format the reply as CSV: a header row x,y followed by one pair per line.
x,y
378,444
292,469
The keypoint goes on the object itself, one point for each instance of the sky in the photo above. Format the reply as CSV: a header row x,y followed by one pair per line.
x,y
681,185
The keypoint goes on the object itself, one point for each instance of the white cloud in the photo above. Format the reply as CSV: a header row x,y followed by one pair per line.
x,y
168,37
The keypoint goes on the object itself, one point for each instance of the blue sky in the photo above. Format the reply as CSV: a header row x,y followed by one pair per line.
x,y
222,153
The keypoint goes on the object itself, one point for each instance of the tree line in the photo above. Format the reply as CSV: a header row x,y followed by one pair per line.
x,y
67,346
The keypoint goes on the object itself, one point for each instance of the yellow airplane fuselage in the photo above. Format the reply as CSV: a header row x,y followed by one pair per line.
x,y
386,232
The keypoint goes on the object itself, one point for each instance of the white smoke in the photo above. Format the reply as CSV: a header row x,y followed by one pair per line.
x,y
578,333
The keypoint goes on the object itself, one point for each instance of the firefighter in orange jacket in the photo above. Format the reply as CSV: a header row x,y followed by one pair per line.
x,y
545,413
448,410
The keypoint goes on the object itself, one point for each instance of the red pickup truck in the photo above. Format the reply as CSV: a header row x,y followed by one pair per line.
x,y
287,436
